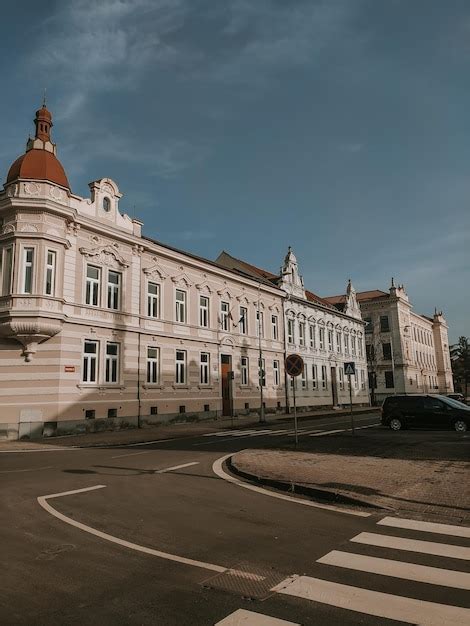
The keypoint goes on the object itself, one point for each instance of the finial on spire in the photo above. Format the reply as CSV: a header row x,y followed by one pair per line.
x,y
393,282
44,98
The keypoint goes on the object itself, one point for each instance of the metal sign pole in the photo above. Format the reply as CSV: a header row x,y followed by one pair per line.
x,y
351,404
295,413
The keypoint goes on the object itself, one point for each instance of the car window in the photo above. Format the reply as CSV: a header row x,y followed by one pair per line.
x,y
411,402
433,403
454,403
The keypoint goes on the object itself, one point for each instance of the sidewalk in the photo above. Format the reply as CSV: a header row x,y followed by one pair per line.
x,y
170,431
422,473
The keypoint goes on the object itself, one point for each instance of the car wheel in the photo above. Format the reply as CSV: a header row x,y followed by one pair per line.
x,y
396,423
460,426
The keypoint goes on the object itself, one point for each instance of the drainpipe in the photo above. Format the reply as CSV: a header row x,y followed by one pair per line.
x,y
286,378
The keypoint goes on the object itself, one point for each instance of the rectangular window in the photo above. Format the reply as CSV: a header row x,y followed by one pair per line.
x,y
338,342
290,331
346,344
330,340
356,380
112,363
341,378
370,352
353,345
244,370
324,379
274,327
49,278
259,324
384,324
360,346
314,377
204,368
243,323
153,369
225,316
114,290
303,377
276,373
321,336
262,371
311,331
153,300
389,382
363,379
28,267
368,325
302,333
387,351
180,376
92,292
90,361
180,306
7,271
204,311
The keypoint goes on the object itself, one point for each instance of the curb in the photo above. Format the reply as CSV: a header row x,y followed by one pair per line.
x,y
314,493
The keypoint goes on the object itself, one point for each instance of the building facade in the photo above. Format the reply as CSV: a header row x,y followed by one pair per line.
x,y
406,352
325,337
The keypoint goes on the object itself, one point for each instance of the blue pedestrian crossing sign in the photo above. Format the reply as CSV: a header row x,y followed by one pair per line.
x,y
350,368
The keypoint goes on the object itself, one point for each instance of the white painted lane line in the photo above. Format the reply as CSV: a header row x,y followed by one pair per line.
x,y
176,467
304,432
427,527
42,500
39,450
249,618
398,569
217,468
120,456
328,432
32,469
413,545
374,603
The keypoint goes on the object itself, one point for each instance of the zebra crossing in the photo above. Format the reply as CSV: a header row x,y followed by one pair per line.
x,y
282,432
393,558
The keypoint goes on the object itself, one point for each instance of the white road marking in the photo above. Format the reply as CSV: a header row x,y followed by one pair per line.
x,y
120,456
249,618
413,545
427,527
176,467
374,603
328,432
398,569
42,500
303,432
219,471
39,450
33,469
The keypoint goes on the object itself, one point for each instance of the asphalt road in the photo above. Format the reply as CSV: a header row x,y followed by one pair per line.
x,y
155,536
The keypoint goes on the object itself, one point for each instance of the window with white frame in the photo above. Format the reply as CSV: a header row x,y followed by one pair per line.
x,y
302,333
360,345
90,361
274,327
92,289
321,337
153,300
290,331
356,380
363,379
330,340
114,290
225,316
180,301
353,345
259,324
313,343
314,376
338,342
276,373
346,344
243,322
27,270
112,362
341,378
303,377
153,365
262,371
204,368
180,375
204,311
244,370
49,275
324,377
6,262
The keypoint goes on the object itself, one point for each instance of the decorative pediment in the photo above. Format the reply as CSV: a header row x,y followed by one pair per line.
x,y
338,327
242,299
155,271
290,313
274,308
105,255
302,317
311,319
329,324
346,329
321,322
261,305
204,287
181,279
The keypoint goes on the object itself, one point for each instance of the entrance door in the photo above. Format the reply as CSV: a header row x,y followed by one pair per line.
x,y
334,386
226,372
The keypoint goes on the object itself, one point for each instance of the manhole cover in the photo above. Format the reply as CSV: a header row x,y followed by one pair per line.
x,y
246,580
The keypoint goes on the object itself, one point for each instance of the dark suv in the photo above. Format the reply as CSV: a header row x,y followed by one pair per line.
x,y
403,411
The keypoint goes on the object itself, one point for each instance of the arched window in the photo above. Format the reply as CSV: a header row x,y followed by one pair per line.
x,y
106,204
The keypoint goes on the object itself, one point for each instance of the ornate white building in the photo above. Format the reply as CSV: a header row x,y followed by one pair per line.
x,y
407,352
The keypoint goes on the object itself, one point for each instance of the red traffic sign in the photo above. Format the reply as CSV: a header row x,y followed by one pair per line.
x,y
294,365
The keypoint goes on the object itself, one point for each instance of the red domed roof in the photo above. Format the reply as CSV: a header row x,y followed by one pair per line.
x,y
38,164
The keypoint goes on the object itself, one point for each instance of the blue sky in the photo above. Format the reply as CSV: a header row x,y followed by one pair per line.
x,y
339,127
